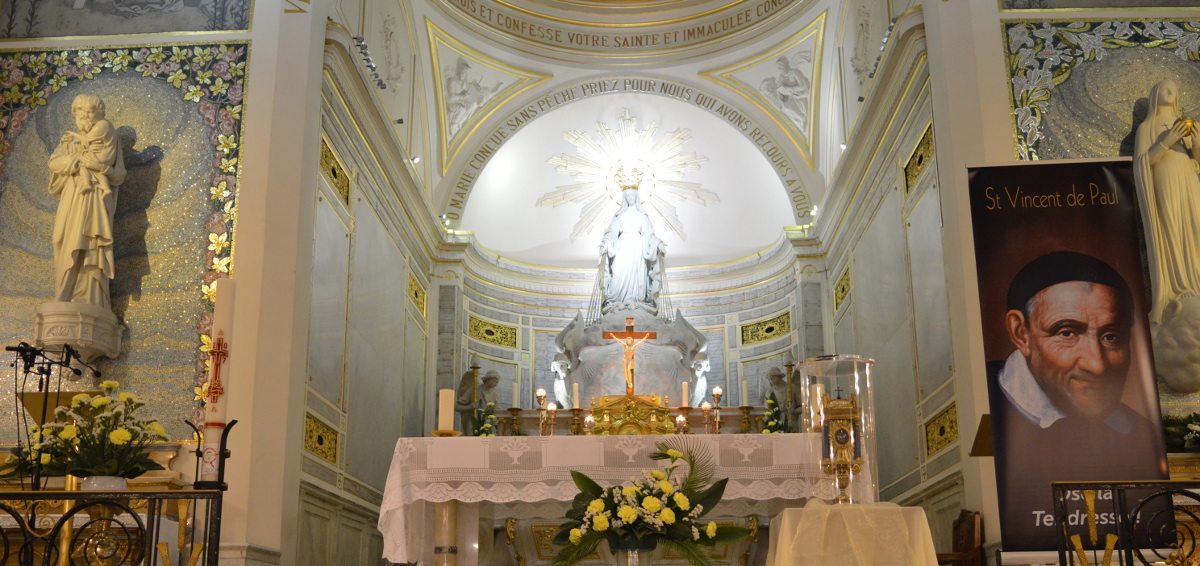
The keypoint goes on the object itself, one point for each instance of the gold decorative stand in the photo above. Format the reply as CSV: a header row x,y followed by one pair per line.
x,y
745,418
632,414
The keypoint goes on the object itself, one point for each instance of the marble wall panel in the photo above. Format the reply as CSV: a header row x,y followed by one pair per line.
x,y
883,324
375,351
327,322
931,310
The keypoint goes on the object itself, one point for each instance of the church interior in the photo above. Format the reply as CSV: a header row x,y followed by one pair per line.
x,y
487,197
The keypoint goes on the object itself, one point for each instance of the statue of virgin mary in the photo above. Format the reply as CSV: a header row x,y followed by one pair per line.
x,y
631,257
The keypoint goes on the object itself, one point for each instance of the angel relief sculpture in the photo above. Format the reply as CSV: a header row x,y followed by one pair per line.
x,y
789,89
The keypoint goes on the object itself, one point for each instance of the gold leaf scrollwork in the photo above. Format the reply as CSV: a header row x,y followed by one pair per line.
x,y
416,293
919,160
841,290
941,430
332,167
320,439
767,329
492,332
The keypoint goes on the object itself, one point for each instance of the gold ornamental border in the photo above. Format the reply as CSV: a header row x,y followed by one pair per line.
x,y
491,332
941,431
919,160
331,166
320,439
416,293
841,290
767,329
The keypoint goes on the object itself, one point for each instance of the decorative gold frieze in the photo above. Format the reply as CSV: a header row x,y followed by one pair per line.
x,y
416,293
320,439
767,329
920,158
333,168
841,290
492,332
941,431
632,414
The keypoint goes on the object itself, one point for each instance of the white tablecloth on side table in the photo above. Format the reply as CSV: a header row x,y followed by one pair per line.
x,y
879,534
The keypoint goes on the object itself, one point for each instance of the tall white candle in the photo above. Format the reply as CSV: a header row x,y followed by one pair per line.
x,y
224,291
685,402
445,409
516,397
745,395
575,395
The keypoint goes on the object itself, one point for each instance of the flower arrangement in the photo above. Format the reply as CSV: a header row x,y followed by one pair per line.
x,y
775,417
483,420
96,436
1182,432
659,507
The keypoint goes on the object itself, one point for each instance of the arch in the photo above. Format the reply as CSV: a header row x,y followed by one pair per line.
x,y
472,161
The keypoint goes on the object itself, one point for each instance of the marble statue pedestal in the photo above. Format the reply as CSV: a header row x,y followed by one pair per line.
x,y
90,329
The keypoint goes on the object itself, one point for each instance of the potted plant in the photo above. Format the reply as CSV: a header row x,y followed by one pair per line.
x,y
96,437
659,508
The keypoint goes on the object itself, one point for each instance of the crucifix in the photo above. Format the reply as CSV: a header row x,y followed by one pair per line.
x,y
218,352
626,340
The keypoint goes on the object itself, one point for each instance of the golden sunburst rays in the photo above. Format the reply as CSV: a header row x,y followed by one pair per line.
x,y
625,157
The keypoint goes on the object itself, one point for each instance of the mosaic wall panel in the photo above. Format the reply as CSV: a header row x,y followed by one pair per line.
x,y
39,18
1079,88
177,110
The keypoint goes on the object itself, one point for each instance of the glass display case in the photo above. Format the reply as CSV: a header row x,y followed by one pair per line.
x,y
837,402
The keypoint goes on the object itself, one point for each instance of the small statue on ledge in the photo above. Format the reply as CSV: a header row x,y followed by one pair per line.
x,y
465,402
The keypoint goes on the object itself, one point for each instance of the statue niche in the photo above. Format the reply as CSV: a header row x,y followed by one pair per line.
x,y
630,284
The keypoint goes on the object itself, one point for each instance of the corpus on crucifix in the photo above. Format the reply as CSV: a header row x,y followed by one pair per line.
x,y
626,340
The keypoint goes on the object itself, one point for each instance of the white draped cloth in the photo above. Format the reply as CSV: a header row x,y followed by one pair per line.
x,y
880,534
530,469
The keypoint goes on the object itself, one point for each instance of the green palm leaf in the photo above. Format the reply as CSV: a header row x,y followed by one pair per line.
x,y
690,551
701,464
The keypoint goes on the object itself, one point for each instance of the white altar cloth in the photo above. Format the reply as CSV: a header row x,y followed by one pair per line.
x,y
881,534
537,468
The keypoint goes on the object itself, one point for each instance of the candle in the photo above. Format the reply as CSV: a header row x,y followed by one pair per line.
x,y
224,291
717,395
745,395
575,396
685,402
589,422
816,390
541,398
705,406
788,359
516,397
445,409
679,422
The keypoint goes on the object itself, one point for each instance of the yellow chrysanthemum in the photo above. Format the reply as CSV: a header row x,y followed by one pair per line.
x,y
45,459
127,397
80,399
68,432
627,514
629,490
657,474
681,501
119,436
101,401
668,516
674,454
666,487
575,536
109,384
157,429
596,506
652,504
711,530
600,523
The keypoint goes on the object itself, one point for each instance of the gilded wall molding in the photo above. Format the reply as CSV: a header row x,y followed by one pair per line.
x,y
769,329
941,430
491,332
320,439
416,293
331,166
841,290
918,160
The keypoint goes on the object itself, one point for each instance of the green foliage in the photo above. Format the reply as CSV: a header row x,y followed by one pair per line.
x,y
483,420
661,507
775,418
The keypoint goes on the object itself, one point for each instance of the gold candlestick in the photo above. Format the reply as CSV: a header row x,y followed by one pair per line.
x,y
515,429
745,418
446,433
707,410
576,422
685,412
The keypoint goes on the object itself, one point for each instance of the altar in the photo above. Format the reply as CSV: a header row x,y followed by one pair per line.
x,y
535,470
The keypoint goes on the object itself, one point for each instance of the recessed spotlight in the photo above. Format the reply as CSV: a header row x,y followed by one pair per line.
x,y
416,159
843,146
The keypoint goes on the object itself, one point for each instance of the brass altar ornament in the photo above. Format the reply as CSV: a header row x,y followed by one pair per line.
x,y
632,414
841,442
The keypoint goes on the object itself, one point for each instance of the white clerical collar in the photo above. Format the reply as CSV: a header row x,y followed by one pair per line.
x,y
1027,396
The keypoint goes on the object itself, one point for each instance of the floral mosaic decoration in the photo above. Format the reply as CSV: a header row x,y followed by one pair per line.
x,y
210,75
1041,56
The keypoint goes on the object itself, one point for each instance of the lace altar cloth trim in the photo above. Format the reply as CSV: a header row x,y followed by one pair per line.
x,y
531,469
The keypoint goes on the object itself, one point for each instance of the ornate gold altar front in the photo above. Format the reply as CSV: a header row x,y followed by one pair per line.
x,y
632,414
